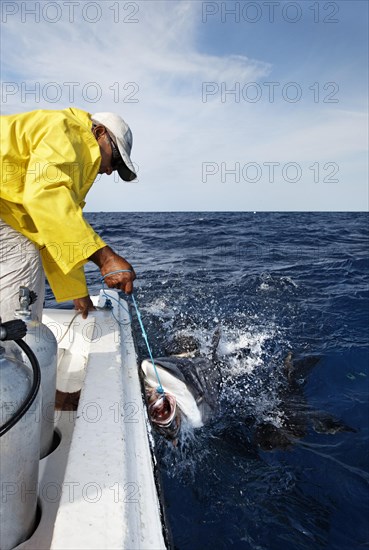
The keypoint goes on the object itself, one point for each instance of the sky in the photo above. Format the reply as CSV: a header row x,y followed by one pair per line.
x,y
234,106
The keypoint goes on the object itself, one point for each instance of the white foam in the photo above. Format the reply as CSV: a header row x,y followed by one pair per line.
x,y
158,306
233,343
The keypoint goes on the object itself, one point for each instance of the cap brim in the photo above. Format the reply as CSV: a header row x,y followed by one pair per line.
x,y
125,173
126,170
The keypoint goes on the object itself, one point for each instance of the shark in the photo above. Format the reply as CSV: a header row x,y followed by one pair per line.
x,y
191,385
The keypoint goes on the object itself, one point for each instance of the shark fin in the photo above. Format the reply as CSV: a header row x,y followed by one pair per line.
x,y
215,342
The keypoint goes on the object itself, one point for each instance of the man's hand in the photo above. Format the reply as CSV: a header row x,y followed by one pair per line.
x,y
109,261
84,305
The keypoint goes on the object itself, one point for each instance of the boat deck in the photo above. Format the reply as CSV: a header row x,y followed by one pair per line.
x,y
97,489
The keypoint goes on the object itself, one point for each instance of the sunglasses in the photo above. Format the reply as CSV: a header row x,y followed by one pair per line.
x,y
116,159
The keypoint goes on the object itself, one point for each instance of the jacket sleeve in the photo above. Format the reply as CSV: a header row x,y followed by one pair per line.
x,y
52,200
64,287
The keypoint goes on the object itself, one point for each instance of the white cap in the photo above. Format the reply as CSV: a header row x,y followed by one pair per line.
x,y
122,135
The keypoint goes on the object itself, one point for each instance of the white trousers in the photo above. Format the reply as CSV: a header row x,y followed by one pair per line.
x,y
20,265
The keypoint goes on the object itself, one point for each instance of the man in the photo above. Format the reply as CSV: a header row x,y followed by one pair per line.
x,y
49,160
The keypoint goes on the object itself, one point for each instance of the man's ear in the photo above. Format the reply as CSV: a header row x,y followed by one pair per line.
x,y
98,130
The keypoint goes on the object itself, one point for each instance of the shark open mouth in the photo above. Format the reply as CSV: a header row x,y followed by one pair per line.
x,y
162,408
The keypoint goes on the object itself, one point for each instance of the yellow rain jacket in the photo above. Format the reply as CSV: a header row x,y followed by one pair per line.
x,y
49,160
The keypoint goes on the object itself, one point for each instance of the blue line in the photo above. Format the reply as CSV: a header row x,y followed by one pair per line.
x,y
109,297
118,271
160,388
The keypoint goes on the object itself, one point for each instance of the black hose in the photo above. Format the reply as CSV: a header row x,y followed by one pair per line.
x,y
32,393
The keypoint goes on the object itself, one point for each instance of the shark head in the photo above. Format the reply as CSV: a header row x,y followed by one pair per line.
x,y
190,383
174,384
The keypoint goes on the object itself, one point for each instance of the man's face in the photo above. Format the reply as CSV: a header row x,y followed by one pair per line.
x,y
105,151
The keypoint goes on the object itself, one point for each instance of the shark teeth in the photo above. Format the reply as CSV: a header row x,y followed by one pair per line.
x,y
162,409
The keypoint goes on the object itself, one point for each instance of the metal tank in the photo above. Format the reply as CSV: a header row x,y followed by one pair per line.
x,y
44,345
19,450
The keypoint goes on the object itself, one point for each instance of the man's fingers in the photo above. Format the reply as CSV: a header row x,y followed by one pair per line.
x,y
84,305
121,282
85,310
128,288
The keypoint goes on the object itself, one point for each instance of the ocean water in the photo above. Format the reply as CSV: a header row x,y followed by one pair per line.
x,y
276,285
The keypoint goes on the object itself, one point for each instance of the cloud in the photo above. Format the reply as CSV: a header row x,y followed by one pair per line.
x,y
154,73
